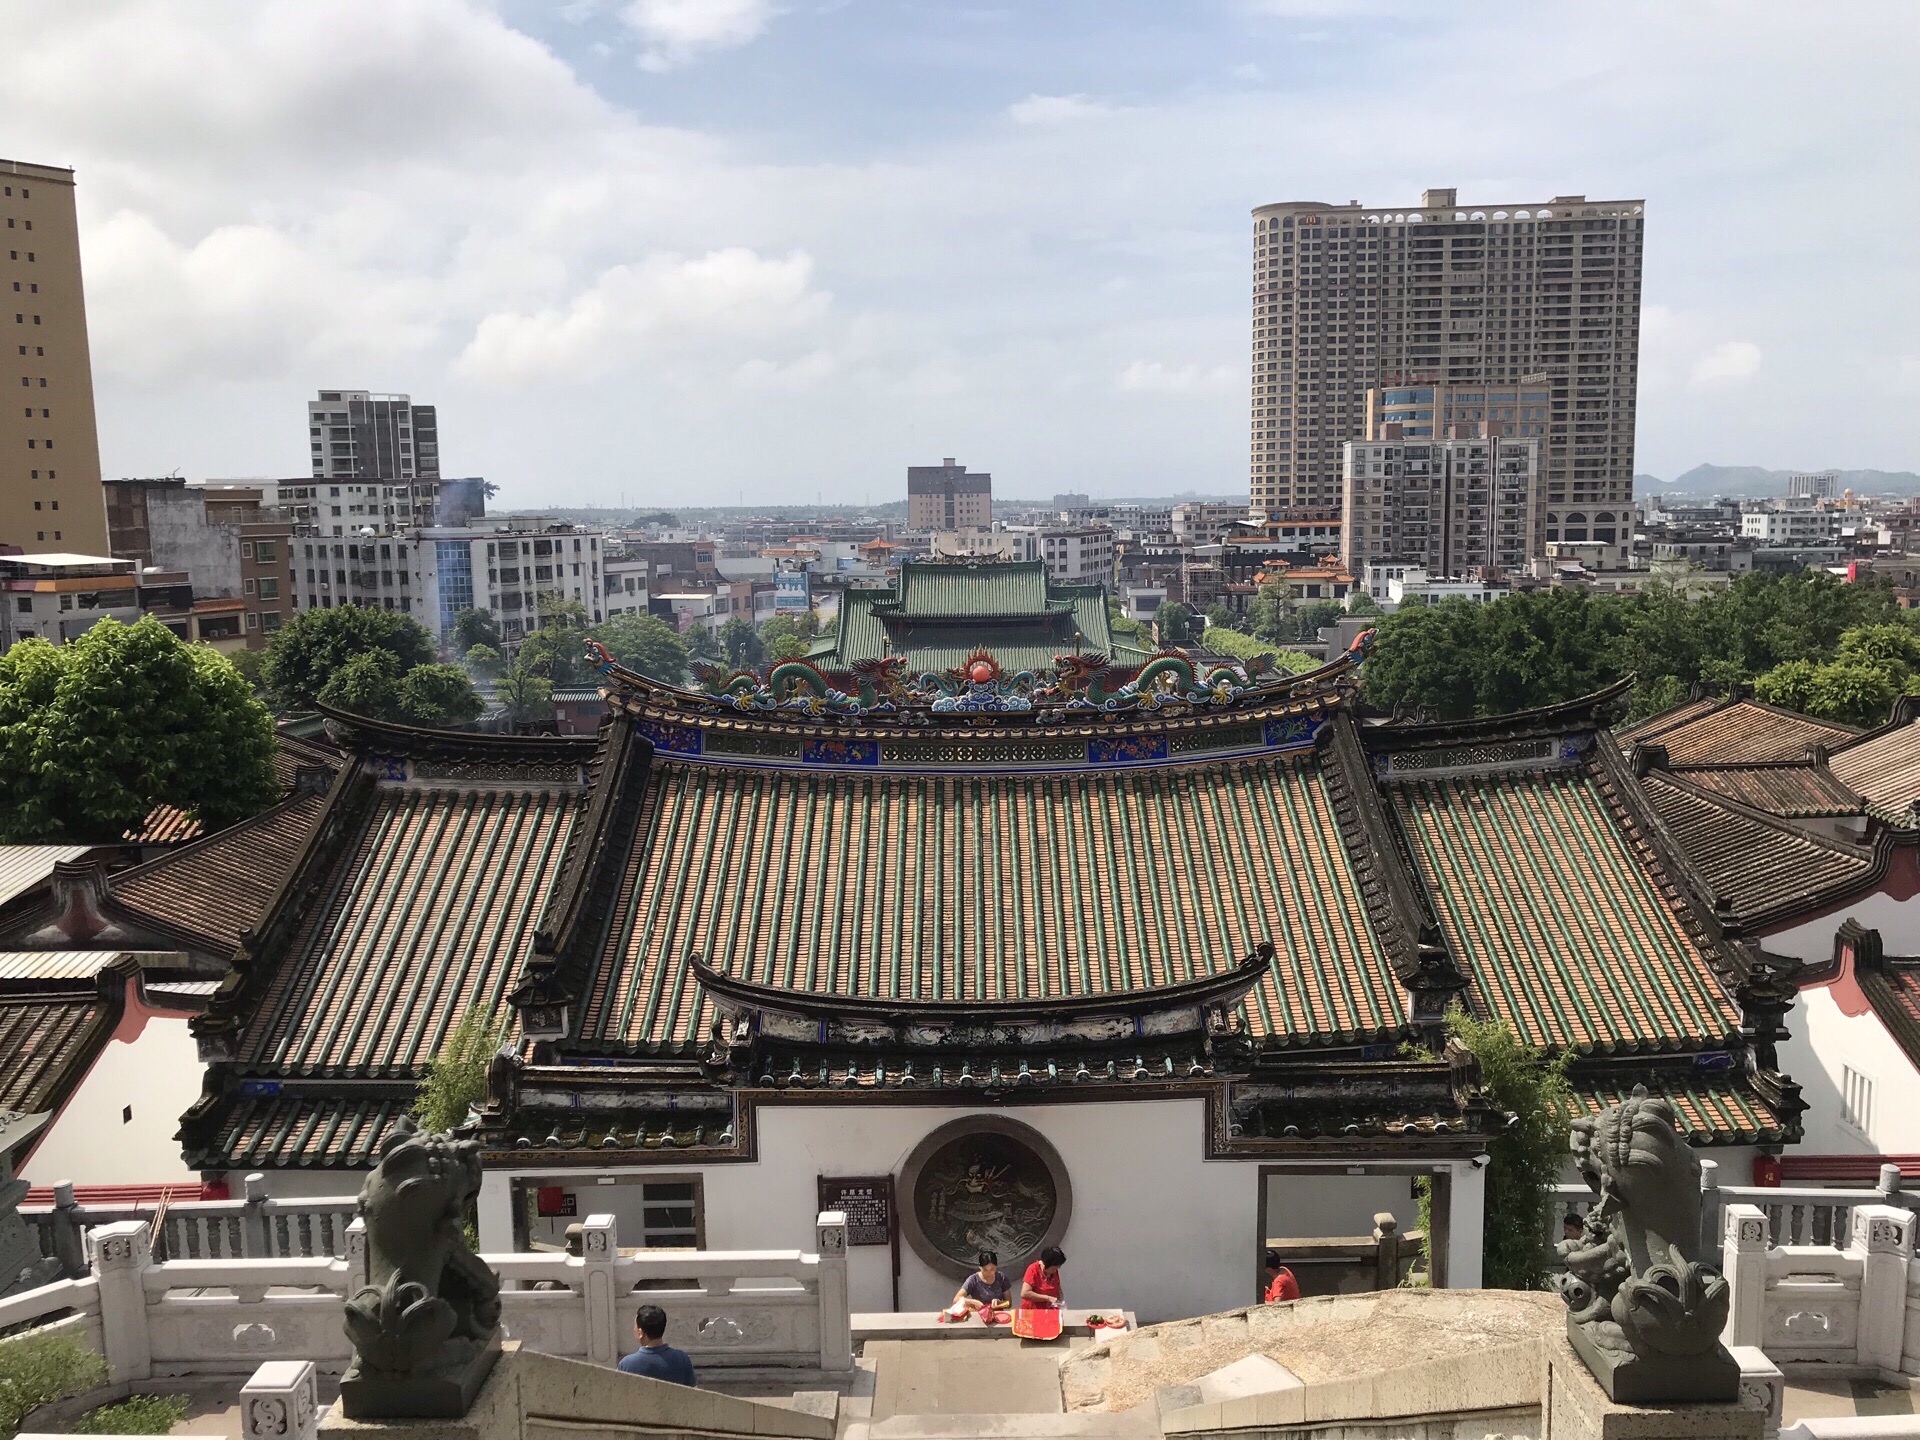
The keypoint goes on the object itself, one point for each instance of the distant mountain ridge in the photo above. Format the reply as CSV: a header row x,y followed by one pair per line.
x,y
1755,480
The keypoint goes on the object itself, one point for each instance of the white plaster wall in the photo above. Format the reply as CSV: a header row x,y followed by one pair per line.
x,y
1303,1206
1821,1041
1898,922
157,1073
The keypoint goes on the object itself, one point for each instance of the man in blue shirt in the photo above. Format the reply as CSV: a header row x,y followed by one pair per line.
x,y
655,1358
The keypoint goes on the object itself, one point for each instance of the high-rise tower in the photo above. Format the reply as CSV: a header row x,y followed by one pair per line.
x,y
1352,297
50,498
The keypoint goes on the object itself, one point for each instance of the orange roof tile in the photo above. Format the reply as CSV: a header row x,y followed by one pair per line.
x,y
1736,732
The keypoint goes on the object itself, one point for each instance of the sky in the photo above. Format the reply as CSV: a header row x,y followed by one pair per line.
x,y
658,252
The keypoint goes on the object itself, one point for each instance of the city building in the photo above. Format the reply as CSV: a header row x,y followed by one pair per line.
x,y
1351,297
947,497
230,545
1003,542
358,434
59,595
1449,506
1816,485
1078,555
50,474
1396,585
1796,522
1195,522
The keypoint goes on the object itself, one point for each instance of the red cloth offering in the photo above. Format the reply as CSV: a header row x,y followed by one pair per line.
x,y
1036,1322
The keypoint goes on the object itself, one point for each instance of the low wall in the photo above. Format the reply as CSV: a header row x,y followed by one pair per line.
x,y
782,1308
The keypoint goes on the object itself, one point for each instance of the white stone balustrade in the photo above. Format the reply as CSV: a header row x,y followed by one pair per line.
x,y
782,1308
1808,1306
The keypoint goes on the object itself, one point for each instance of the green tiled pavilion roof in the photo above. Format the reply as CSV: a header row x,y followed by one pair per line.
x,y
1010,886
1012,611
434,911
1555,917
985,591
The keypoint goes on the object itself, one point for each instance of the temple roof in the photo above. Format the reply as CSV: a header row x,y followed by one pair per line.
x,y
709,901
1883,766
1734,730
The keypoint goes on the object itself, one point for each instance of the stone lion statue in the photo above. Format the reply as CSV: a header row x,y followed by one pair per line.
x,y
425,1328
1644,1311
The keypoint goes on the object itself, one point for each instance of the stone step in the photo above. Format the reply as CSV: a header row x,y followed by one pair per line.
x,y
1139,1423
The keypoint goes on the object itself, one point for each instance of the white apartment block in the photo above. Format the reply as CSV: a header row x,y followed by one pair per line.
x,y
381,437
1139,522
1448,506
433,574
626,584
1815,485
1800,524
1199,521
343,507
1352,297
1082,555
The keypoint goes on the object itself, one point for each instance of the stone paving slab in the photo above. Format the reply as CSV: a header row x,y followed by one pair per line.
x,y
931,1377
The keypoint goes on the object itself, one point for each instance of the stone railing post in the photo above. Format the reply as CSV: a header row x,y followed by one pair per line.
x,y
281,1402
1712,1223
599,1254
1386,1251
1883,1238
1761,1383
69,1239
1890,1181
253,1219
1744,1263
836,1314
356,1255
121,1256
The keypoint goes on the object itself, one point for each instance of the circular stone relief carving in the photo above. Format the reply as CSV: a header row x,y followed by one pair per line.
x,y
984,1183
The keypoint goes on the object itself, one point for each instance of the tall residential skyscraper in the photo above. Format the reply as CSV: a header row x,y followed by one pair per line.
x,y
946,497
50,497
1352,297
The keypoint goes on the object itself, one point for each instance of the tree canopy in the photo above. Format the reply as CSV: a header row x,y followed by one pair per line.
x,y
473,627
647,644
1538,647
96,732
1173,623
306,651
372,684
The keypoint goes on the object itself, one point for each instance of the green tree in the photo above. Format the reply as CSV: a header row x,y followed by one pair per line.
x,y
1891,647
95,733
740,643
438,696
1173,622
702,644
1359,602
527,696
1270,611
1218,614
251,666
306,651
783,637
1424,660
483,662
368,684
646,644
1843,690
456,1078
1312,617
473,627
1525,1159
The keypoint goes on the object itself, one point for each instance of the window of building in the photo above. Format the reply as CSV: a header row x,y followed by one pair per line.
x,y
1856,1099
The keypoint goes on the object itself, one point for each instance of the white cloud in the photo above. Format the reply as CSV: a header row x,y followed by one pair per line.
x,y
677,31
1728,363
1055,109
802,374
663,307
1151,375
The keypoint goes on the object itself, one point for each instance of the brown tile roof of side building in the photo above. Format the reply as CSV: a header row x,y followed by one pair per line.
x,y
46,1038
1792,789
1883,766
218,888
1734,731
1758,865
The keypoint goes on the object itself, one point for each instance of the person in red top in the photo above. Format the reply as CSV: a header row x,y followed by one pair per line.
x,y
1040,1286
1280,1282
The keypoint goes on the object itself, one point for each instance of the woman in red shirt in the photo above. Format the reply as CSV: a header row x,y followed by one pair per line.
x,y
1040,1286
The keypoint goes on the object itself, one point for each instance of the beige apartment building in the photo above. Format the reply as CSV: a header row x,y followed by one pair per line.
x,y
49,451
1348,298
1455,506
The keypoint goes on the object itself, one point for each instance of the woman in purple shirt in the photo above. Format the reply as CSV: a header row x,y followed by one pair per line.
x,y
986,1291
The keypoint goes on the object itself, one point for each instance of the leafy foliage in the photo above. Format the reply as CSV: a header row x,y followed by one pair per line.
x,y
1173,622
366,684
1244,647
646,644
1458,659
456,1078
1850,691
95,733
136,1415
741,643
786,636
439,695
36,1370
473,627
528,697
483,662
1525,1160
1219,615
309,648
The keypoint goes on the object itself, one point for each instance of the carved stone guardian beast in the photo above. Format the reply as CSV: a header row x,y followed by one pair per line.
x,y
426,1328
1644,1312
